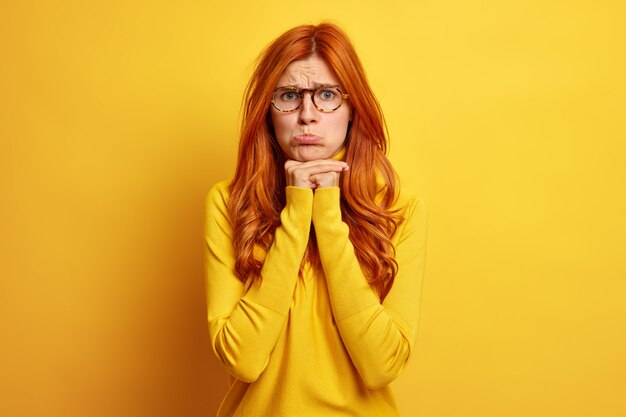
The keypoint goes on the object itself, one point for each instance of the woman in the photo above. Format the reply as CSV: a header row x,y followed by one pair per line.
x,y
314,256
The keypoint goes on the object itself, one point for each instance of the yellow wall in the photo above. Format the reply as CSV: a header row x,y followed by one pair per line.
x,y
116,118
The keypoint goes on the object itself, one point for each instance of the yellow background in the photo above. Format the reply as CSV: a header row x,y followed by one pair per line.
x,y
508,116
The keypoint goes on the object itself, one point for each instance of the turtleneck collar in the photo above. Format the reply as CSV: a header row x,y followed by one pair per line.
x,y
340,155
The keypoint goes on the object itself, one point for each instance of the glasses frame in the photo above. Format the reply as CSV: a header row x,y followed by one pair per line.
x,y
302,91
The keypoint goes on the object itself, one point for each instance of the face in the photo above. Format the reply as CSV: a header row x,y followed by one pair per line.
x,y
307,134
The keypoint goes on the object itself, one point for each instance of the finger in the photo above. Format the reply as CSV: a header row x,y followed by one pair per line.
x,y
328,179
318,169
290,163
315,162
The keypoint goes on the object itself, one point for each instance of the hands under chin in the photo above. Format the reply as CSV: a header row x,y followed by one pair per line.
x,y
320,173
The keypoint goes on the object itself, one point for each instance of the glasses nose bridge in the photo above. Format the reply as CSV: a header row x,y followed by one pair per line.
x,y
303,93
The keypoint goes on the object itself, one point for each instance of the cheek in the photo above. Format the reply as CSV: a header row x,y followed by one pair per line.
x,y
340,124
283,125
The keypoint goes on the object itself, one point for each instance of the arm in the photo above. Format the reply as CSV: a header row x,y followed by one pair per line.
x,y
244,328
378,337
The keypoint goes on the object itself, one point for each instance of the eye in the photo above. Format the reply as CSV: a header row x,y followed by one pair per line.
x,y
327,94
289,96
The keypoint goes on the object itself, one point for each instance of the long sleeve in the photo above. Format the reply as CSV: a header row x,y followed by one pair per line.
x,y
244,328
378,337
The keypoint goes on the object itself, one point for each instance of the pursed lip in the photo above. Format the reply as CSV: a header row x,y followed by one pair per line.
x,y
307,139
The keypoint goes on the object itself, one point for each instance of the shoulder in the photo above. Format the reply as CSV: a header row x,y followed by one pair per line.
x,y
408,200
218,194
216,202
413,209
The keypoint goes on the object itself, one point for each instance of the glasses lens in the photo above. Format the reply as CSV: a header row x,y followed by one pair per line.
x,y
327,98
286,99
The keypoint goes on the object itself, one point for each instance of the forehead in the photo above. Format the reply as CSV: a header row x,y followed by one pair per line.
x,y
307,73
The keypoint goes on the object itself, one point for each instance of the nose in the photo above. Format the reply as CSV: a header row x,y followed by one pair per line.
x,y
308,112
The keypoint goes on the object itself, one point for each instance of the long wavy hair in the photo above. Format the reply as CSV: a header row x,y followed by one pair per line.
x,y
368,189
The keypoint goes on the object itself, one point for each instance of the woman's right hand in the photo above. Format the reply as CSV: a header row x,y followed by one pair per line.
x,y
319,173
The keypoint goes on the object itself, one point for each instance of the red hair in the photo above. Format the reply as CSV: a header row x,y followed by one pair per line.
x,y
257,192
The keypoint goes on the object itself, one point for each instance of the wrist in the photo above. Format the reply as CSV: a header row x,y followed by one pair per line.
x,y
327,205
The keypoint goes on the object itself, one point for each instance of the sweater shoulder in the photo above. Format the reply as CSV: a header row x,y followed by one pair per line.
x,y
406,197
216,204
219,194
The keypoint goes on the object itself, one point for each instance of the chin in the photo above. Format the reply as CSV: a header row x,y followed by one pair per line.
x,y
304,155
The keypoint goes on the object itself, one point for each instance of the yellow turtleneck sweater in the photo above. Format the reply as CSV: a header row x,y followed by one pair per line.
x,y
321,345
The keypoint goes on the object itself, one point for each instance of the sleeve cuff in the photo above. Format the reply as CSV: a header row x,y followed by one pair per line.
x,y
326,205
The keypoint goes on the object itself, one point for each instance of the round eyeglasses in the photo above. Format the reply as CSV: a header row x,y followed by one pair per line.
x,y
326,98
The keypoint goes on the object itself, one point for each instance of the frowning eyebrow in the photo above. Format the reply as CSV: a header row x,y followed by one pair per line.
x,y
315,85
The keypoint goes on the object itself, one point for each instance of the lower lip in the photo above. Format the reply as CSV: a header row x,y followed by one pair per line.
x,y
307,139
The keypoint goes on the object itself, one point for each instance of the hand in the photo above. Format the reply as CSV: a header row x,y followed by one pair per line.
x,y
320,173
